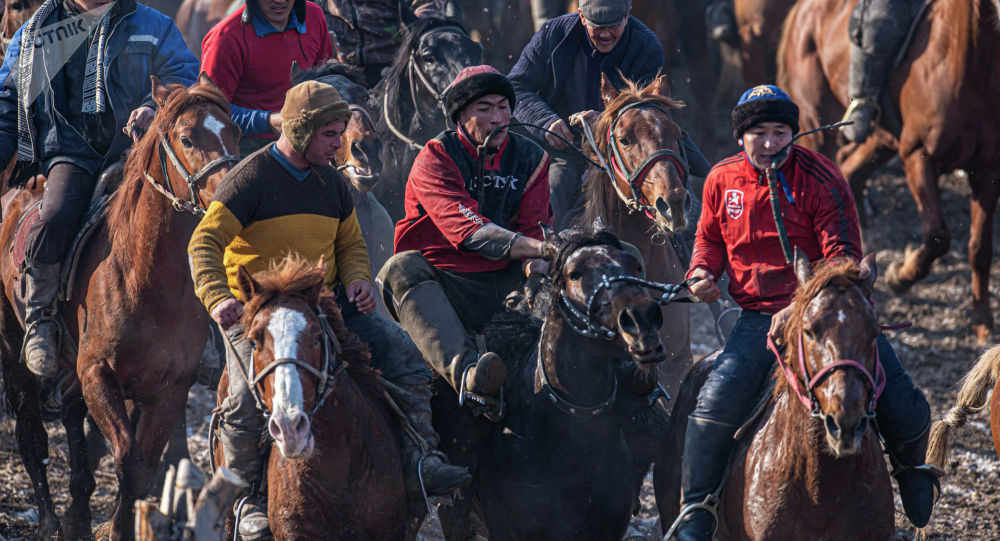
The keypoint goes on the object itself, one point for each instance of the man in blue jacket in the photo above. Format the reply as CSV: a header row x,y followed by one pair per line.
x,y
559,74
83,80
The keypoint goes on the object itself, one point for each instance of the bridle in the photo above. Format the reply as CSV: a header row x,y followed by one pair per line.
x,y
808,396
615,167
413,67
327,378
192,205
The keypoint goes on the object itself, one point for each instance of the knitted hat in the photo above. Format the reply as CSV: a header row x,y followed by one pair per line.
x,y
309,106
764,103
473,83
605,12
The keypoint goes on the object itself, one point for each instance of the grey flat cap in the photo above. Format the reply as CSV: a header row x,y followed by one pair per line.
x,y
605,12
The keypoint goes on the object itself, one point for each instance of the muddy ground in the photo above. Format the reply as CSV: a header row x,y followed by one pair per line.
x,y
937,351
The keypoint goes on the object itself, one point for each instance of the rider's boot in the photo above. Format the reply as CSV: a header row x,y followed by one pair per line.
x,y
41,342
707,448
720,19
917,481
439,476
867,76
439,334
243,456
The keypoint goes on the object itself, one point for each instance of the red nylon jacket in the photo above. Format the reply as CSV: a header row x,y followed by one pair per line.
x,y
737,232
440,211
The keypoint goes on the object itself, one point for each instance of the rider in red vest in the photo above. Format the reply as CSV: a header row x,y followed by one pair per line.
x,y
738,234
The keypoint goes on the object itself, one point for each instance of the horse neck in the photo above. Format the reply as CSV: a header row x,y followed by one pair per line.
x,y
583,375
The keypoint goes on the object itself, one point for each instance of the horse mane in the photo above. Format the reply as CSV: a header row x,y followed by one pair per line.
x,y
840,272
600,196
293,276
330,68
134,228
571,240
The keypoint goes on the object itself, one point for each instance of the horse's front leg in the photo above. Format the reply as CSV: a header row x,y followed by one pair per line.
x,y
922,178
984,202
106,402
78,518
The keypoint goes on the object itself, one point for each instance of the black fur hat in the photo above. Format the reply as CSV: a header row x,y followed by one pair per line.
x,y
473,83
764,103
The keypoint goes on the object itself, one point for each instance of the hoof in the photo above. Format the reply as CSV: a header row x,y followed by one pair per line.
x,y
896,284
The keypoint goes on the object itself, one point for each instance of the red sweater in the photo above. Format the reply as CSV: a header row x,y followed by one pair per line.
x,y
254,71
441,212
737,232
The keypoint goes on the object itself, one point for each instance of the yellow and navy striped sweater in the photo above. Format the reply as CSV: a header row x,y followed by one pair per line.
x,y
260,213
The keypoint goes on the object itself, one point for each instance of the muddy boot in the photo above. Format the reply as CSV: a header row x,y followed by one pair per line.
x,y
439,477
41,342
867,75
245,459
917,480
707,449
429,319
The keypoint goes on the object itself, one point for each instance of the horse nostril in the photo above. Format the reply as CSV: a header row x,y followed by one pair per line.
x,y
662,207
358,152
832,427
302,425
627,323
859,430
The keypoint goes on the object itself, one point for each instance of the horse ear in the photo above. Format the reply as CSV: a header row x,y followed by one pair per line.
x,y
204,79
246,284
608,90
661,86
296,70
598,225
803,271
869,271
159,91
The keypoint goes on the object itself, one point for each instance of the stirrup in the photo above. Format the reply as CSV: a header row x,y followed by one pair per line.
x,y
487,406
710,504
935,473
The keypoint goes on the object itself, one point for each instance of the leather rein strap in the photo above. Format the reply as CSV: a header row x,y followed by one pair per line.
x,y
191,205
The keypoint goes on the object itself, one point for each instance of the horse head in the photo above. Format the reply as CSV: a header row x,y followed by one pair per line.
x,y
290,353
831,359
360,154
595,281
15,14
194,139
641,145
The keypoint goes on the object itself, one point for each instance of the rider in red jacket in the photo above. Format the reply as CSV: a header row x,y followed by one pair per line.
x,y
738,234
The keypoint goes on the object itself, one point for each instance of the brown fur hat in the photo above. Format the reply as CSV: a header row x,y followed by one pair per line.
x,y
309,106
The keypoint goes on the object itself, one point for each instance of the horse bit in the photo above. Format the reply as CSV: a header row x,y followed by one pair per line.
x,y
615,167
191,205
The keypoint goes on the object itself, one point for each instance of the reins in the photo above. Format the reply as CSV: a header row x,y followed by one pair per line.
x,y
192,205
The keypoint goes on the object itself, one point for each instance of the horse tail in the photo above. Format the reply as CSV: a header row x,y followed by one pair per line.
x,y
786,36
971,400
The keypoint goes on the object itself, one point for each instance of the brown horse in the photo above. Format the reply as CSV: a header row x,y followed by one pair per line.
x,y
15,14
139,328
976,385
942,118
335,469
759,24
196,17
793,476
642,127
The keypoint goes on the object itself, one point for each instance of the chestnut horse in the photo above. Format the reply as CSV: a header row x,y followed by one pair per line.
x,y
196,17
335,468
15,14
943,117
132,311
976,385
639,120
792,476
759,25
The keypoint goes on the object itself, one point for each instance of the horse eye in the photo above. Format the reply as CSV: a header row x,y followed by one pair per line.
x,y
809,334
187,142
575,275
624,142
17,7
317,342
252,342
428,58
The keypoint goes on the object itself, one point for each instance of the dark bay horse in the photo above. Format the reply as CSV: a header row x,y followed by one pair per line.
x,y
972,398
759,25
940,116
639,120
793,476
410,108
132,311
562,464
335,468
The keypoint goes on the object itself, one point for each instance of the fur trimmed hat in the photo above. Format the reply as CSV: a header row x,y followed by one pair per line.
x,y
764,103
473,83
309,106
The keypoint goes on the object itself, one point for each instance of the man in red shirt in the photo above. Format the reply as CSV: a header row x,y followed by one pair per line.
x,y
474,200
737,234
249,55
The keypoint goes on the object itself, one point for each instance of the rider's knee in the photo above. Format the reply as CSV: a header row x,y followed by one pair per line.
x,y
403,271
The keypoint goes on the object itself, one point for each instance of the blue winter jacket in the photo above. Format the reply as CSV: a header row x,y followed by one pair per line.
x,y
142,42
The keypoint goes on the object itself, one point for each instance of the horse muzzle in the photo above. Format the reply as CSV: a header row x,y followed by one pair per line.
x,y
639,325
362,179
291,433
671,213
